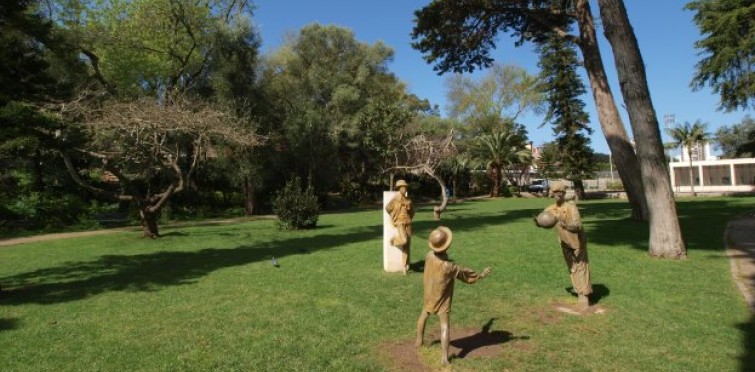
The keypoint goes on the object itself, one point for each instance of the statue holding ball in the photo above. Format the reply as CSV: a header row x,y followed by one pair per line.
x,y
564,216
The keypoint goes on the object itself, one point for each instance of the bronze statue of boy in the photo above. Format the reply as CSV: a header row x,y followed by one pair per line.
x,y
439,276
401,210
565,216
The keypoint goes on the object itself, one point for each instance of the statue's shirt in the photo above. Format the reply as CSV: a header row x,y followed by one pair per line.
x,y
440,274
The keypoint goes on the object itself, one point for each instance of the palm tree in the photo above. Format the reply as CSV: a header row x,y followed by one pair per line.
x,y
687,135
499,150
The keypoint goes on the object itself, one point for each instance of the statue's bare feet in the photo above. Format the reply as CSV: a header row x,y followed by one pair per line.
x,y
418,343
445,362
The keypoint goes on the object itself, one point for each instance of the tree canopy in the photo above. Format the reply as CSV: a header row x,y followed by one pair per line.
x,y
727,50
732,139
566,113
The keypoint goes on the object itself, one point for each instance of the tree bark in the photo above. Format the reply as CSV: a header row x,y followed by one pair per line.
x,y
149,221
454,188
691,172
249,196
437,210
495,175
665,233
579,189
608,114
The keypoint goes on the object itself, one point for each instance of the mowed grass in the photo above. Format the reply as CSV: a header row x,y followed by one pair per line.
x,y
208,298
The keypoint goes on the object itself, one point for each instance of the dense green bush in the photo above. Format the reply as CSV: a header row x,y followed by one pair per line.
x,y
615,186
296,208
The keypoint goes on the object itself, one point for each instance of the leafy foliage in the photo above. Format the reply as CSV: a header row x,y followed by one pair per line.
x,y
295,207
459,36
502,151
728,50
689,136
566,113
37,67
733,140
336,112
503,93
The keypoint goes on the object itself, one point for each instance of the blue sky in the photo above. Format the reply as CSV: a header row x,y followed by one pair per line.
x,y
665,32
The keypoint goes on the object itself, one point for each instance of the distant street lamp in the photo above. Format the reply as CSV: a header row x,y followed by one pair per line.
x,y
610,163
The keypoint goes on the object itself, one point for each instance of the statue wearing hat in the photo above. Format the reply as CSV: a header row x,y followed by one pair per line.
x,y
439,277
564,216
401,211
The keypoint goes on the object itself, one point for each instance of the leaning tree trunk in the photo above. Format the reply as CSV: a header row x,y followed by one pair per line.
x,y
608,114
149,221
437,210
665,233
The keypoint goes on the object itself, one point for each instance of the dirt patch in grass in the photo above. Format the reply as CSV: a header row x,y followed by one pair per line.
x,y
466,343
573,309
403,356
546,316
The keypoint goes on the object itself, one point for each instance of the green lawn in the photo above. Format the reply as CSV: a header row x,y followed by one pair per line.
x,y
208,298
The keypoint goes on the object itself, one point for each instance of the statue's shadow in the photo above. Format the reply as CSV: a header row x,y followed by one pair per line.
x,y
417,267
463,346
599,291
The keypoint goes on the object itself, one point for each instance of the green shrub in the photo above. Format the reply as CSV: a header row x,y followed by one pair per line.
x,y
296,208
614,186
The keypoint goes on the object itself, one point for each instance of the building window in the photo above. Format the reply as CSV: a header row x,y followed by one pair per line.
x,y
717,175
745,174
681,176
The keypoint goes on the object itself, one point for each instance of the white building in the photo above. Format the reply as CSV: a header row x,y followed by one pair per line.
x,y
714,175
700,151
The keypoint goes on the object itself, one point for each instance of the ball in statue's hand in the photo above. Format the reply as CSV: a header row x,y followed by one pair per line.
x,y
546,219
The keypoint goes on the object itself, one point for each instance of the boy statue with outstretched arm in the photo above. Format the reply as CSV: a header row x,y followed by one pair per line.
x,y
439,276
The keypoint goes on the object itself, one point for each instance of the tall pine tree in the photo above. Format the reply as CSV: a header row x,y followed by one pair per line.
x,y
563,87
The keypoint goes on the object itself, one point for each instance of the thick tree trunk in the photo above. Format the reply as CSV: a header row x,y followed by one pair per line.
x,y
665,233
495,175
579,189
149,222
608,114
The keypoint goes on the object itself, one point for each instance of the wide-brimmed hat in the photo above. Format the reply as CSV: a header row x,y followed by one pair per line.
x,y
400,183
440,239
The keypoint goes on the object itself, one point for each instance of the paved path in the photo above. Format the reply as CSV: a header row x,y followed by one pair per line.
x,y
739,238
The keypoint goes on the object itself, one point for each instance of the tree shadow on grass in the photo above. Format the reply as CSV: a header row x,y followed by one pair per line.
x,y
702,222
7,324
747,359
476,222
150,272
